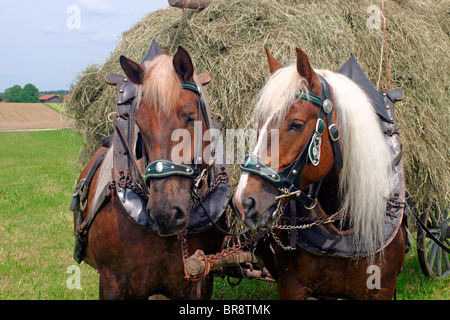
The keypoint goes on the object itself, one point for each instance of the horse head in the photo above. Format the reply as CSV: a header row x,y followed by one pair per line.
x,y
315,113
170,120
287,107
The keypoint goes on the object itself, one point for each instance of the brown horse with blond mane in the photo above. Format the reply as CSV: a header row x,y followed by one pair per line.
x,y
127,230
323,178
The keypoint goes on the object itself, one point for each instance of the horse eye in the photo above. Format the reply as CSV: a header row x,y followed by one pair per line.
x,y
190,121
296,126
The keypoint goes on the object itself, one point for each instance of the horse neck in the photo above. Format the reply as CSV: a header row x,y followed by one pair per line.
x,y
328,196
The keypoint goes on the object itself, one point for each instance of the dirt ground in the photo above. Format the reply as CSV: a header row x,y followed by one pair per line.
x,y
31,116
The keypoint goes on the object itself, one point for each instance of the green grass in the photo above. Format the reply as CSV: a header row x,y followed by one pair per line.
x,y
57,106
413,285
38,173
37,177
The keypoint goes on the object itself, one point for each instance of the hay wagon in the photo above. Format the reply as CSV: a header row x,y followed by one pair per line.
x,y
227,38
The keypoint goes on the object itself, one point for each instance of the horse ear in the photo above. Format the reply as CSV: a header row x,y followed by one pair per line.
x,y
133,70
274,65
183,64
306,71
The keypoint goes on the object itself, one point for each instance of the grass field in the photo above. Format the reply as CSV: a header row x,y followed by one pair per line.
x,y
37,175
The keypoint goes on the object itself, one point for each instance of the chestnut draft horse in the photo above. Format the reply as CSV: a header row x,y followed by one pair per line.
x,y
138,254
332,197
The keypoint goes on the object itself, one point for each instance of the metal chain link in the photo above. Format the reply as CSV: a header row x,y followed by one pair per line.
x,y
236,248
279,213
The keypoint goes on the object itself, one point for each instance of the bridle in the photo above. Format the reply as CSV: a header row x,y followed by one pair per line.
x,y
163,168
288,180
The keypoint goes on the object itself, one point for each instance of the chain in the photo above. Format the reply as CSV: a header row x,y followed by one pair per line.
x,y
184,246
279,213
236,248
239,246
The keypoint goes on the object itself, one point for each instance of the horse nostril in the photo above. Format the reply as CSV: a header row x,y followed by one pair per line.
x,y
179,215
249,203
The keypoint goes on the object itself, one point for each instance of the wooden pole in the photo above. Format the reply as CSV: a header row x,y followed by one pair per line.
x,y
190,4
196,264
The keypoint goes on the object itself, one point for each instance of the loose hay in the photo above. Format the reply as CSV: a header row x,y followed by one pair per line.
x,y
226,39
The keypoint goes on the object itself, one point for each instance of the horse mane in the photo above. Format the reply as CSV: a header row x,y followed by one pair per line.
x,y
278,94
161,84
365,180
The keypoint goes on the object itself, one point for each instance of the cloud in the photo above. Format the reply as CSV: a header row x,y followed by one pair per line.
x,y
96,6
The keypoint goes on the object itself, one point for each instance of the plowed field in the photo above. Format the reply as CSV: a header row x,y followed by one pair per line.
x,y
31,116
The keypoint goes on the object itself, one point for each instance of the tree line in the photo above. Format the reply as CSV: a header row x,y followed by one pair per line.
x,y
29,93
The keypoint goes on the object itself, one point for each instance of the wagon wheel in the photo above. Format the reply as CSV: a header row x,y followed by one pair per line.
x,y
433,259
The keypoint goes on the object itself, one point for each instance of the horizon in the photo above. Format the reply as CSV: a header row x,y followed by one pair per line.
x,y
49,43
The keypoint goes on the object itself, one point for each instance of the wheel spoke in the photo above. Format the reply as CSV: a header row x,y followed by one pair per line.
x,y
433,216
432,257
447,263
429,245
439,262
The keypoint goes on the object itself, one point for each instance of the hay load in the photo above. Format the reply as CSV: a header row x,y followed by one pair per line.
x,y
226,39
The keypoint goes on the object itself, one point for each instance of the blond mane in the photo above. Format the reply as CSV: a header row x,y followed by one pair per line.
x,y
161,85
278,95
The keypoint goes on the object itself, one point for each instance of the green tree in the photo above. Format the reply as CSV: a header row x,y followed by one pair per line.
x,y
29,94
12,94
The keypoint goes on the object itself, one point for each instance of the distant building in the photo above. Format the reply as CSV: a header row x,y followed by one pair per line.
x,y
50,98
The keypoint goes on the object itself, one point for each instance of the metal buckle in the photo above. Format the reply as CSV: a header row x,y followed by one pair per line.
x,y
312,206
332,129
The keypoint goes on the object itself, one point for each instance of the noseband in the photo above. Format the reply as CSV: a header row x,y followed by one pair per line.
x,y
164,168
288,180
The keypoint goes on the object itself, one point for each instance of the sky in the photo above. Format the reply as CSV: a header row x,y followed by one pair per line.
x,y
49,42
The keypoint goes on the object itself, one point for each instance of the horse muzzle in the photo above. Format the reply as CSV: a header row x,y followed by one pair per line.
x,y
252,217
168,220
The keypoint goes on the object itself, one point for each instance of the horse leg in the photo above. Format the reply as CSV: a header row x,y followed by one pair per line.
x,y
110,287
289,288
199,290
